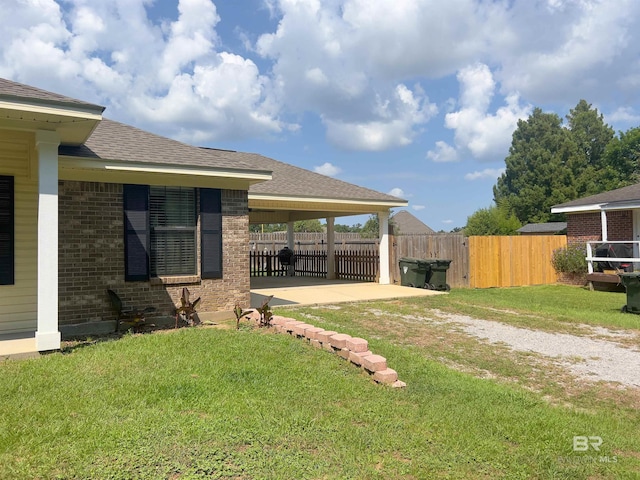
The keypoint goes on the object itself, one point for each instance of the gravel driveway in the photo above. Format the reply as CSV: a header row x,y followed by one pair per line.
x,y
588,358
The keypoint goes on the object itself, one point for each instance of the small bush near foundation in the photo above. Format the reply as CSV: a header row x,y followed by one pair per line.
x,y
570,259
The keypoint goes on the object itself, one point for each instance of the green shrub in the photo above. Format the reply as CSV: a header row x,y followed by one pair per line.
x,y
570,259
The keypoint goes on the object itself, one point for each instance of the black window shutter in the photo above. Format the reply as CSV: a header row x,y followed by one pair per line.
x,y
211,232
136,232
7,263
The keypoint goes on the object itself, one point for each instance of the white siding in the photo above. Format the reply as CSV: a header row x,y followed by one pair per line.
x,y
18,302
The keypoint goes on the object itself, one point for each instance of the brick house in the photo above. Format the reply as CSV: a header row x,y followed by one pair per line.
x,y
87,204
612,216
607,216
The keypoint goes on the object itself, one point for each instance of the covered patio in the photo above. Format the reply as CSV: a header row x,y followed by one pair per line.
x,y
294,193
296,291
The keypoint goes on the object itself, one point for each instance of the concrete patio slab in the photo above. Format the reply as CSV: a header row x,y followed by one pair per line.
x,y
316,291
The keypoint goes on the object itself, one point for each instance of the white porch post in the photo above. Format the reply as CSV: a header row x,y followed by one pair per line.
x,y
291,244
47,334
383,220
331,249
603,220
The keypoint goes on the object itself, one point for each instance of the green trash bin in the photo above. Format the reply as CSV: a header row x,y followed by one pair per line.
x,y
631,282
413,272
437,275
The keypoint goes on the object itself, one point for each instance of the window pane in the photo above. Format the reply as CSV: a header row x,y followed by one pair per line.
x,y
173,230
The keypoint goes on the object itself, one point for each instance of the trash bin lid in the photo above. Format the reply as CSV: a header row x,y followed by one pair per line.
x,y
415,261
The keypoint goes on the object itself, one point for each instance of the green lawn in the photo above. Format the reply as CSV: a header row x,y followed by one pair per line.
x,y
220,403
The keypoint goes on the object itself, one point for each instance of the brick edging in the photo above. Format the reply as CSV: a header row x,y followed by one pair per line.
x,y
353,349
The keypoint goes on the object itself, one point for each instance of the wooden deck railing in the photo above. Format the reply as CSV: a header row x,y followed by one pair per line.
x,y
350,264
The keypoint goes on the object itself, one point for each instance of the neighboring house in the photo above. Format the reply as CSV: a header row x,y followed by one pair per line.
x,y
87,204
549,228
612,215
404,223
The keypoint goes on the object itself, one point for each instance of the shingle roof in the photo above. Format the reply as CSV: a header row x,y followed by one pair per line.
x,y
116,141
405,223
549,227
112,140
17,91
289,180
624,194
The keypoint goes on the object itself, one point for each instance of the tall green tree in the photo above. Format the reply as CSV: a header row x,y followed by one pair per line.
x,y
536,175
550,164
495,220
590,136
622,159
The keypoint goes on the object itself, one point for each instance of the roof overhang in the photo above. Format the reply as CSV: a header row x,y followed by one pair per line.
x,y
73,123
598,207
281,209
114,171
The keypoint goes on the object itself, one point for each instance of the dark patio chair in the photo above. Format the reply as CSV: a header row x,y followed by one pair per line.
x,y
187,310
131,317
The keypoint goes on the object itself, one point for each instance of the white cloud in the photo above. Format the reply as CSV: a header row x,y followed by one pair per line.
x,y
623,115
443,153
397,192
327,169
157,76
485,135
393,123
447,221
418,207
491,173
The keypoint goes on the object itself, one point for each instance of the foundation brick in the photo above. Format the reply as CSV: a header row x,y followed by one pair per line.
x,y
312,333
339,340
315,343
357,345
325,336
388,376
356,357
374,363
344,353
300,328
289,325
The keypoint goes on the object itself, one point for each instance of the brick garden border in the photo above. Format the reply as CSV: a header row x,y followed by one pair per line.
x,y
353,349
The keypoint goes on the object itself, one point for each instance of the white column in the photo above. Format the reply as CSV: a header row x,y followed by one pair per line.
x,y
291,244
383,220
47,334
331,249
603,220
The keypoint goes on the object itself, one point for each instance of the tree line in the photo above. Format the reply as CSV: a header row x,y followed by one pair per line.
x,y
551,162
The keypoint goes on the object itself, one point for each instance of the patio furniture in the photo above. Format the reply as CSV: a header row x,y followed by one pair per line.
x,y
187,310
131,316
286,258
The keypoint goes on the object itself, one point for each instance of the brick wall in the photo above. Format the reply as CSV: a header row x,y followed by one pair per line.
x,y
91,257
583,227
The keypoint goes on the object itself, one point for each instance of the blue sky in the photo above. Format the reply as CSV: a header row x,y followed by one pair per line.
x,y
417,98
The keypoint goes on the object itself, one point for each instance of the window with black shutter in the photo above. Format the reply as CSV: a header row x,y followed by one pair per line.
x,y
172,219
161,232
211,232
7,262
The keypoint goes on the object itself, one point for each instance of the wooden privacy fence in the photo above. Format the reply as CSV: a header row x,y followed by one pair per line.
x,y
476,262
360,265
513,261
441,246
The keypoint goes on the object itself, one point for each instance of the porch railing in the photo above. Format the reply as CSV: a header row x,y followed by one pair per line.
x,y
592,258
350,264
